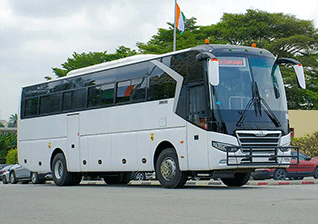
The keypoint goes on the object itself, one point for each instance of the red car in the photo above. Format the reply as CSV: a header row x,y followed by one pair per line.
x,y
307,167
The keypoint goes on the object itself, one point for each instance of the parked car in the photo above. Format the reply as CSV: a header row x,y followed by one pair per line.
x,y
18,173
139,175
3,170
307,167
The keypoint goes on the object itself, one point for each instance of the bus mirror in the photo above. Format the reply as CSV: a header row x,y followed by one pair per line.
x,y
213,71
299,70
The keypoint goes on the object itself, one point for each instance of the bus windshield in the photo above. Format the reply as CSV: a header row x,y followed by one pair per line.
x,y
251,87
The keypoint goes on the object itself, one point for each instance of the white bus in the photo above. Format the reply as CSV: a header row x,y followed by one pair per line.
x,y
212,110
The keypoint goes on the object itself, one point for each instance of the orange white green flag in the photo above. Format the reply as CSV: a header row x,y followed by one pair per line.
x,y
180,19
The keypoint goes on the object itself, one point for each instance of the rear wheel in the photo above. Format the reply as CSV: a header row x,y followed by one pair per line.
x,y
168,171
280,174
238,180
61,176
139,176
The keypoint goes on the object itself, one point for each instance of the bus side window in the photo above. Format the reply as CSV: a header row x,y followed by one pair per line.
x,y
161,85
31,107
139,91
73,100
101,95
124,90
50,103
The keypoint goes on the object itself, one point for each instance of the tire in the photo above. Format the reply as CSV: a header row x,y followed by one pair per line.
x,y
35,178
120,179
139,176
238,180
280,174
167,170
4,179
61,176
13,179
316,173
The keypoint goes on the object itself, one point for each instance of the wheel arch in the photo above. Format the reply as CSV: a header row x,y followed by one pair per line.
x,y
162,146
55,152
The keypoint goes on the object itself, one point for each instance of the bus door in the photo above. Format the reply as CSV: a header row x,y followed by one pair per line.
x,y
196,129
73,147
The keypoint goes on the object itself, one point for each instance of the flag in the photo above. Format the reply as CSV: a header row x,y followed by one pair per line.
x,y
180,19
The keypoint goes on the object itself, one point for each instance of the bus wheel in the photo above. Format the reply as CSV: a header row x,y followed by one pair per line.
x,y
238,180
61,176
167,170
120,179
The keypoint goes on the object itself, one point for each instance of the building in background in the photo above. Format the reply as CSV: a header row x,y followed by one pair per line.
x,y
303,122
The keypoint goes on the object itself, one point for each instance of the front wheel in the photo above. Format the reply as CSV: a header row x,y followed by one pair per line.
x,y
35,178
4,179
13,179
168,171
316,173
238,180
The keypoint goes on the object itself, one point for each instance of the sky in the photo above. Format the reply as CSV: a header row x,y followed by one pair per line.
x,y
36,35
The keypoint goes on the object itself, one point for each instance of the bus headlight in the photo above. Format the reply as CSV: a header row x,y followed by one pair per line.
x,y
222,146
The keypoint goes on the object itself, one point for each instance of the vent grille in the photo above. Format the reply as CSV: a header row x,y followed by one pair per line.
x,y
258,141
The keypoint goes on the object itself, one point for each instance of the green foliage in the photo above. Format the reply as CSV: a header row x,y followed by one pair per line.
x,y
7,141
12,156
162,42
87,59
13,121
307,144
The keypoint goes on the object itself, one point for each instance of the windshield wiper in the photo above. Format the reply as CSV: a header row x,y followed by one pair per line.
x,y
259,103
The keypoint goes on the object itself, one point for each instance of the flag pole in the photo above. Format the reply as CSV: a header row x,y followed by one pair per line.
x,y
175,29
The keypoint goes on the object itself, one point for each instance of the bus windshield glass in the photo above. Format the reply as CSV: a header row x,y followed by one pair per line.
x,y
250,94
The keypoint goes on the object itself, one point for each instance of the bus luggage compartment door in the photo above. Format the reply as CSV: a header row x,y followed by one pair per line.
x,y
73,148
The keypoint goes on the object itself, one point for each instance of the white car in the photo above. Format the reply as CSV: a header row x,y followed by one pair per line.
x,y
18,173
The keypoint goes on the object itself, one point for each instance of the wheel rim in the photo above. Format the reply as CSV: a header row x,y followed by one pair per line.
x,y
139,176
168,168
34,177
58,169
280,175
12,177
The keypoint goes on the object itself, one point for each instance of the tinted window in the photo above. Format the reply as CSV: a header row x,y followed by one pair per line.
x,y
74,100
50,103
31,107
161,85
124,90
101,95
195,68
139,91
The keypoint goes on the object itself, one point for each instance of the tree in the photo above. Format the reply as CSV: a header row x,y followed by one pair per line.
x,y
7,141
12,156
13,121
87,59
162,42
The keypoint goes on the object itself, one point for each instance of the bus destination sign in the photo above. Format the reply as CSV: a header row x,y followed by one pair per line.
x,y
233,62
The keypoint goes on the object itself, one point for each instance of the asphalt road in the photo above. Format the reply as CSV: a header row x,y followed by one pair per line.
x,y
95,202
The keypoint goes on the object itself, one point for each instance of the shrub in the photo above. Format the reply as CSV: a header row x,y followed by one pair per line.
x,y
307,144
12,156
